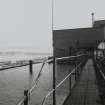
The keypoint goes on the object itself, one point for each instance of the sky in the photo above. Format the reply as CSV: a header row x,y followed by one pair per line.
x,y
26,24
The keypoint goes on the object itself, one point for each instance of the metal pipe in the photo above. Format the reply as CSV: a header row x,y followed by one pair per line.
x,y
54,82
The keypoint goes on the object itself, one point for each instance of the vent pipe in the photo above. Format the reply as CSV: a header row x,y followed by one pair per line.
x,y
92,14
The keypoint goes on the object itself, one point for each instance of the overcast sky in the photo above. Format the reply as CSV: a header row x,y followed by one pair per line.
x,y
26,24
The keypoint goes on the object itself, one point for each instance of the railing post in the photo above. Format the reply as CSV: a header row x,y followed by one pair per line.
x,y
54,82
30,66
26,99
70,83
75,69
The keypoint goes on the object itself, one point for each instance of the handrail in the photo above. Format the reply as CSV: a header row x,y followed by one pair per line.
x,y
39,74
102,74
5,68
31,89
68,57
57,86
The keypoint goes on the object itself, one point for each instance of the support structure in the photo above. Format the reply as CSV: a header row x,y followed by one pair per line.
x,y
26,99
30,66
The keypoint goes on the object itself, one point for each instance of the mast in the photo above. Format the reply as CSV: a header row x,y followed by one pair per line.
x,y
52,23
54,60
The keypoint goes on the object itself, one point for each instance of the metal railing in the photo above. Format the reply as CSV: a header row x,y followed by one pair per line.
x,y
57,86
27,93
100,74
100,70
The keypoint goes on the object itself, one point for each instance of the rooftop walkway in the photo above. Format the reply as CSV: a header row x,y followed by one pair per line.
x,y
86,91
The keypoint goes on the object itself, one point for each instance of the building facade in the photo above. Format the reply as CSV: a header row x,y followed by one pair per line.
x,y
66,42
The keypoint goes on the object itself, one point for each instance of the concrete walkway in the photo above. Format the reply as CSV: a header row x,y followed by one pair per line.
x,y
86,90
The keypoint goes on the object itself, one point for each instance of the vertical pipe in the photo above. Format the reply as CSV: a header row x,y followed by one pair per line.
x,y
26,99
70,83
30,66
54,62
92,19
54,82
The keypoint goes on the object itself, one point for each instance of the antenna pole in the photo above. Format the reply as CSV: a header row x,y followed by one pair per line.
x,y
54,62
52,27
52,15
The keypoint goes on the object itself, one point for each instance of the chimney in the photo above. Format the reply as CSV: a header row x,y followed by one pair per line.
x,y
92,14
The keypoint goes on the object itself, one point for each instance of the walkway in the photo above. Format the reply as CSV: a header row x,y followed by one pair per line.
x,y
86,90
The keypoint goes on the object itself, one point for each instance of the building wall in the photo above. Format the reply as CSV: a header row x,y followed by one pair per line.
x,y
64,40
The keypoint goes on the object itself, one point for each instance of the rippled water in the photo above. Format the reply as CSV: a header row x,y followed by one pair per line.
x,y
13,82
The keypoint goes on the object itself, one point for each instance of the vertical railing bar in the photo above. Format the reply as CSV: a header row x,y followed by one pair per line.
x,y
30,66
70,83
26,99
54,81
75,69
77,73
